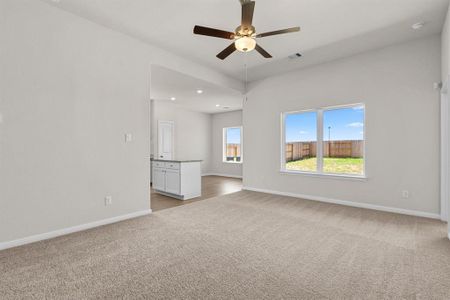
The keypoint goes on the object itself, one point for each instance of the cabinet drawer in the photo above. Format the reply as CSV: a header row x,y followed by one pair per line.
x,y
158,164
173,165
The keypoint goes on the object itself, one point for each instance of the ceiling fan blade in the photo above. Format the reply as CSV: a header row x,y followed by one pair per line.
x,y
247,13
213,32
226,52
262,51
282,31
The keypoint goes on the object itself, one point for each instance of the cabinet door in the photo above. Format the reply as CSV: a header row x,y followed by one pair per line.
x,y
159,179
172,181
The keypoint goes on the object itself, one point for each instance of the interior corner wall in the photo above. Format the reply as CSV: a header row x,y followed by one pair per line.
x,y
192,138
402,125
219,122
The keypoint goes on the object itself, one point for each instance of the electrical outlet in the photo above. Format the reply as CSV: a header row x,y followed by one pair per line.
x,y
405,194
108,200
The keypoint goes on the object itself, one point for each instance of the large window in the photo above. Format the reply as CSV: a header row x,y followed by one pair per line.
x,y
232,144
324,141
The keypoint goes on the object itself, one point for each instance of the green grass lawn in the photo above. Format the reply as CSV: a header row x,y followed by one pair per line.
x,y
330,165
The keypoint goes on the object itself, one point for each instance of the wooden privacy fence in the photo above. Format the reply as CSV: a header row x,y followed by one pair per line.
x,y
233,150
300,150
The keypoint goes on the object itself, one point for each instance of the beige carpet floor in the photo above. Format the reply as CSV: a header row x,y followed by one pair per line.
x,y
244,245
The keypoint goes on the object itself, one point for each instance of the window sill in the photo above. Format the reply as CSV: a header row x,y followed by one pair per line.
x,y
323,175
232,162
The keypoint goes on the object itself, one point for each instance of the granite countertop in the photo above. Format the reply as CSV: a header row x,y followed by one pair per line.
x,y
177,160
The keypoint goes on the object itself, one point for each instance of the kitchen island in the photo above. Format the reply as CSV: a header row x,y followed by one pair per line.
x,y
180,179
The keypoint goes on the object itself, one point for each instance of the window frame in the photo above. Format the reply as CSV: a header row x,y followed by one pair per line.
x,y
320,135
224,145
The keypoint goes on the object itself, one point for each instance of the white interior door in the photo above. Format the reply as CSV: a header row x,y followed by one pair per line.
x,y
165,139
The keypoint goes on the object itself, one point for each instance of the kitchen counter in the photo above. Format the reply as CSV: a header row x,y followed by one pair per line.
x,y
176,160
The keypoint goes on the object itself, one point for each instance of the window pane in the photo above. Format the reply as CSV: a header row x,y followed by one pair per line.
x,y
343,141
233,144
301,141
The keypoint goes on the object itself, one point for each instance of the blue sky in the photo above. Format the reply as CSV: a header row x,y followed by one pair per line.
x,y
344,123
233,135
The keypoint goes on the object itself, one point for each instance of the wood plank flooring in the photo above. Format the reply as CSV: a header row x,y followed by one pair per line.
x,y
212,186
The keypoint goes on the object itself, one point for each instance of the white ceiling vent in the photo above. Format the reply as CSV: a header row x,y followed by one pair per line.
x,y
295,56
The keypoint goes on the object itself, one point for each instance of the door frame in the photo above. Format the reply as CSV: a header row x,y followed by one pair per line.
x,y
444,193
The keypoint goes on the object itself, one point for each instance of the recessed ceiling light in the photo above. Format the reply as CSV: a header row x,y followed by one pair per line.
x,y
199,91
173,98
226,107
295,55
418,25
217,105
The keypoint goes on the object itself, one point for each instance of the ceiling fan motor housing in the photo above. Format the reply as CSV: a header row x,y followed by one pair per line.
x,y
245,31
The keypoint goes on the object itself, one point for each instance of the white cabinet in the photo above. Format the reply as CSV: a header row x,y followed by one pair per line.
x,y
172,181
159,179
178,179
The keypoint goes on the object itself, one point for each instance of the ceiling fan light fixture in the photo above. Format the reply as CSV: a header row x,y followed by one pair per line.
x,y
245,44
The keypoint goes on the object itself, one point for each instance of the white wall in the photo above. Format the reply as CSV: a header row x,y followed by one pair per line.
x,y
192,132
445,53
219,122
445,113
402,125
69,91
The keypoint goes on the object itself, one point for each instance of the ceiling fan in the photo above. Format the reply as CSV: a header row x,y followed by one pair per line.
x,y
244,36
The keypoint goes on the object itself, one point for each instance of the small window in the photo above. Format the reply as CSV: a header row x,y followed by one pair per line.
x,y
232,148
325,141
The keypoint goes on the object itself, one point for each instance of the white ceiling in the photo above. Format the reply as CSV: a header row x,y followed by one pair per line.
x,y
168,83
330,28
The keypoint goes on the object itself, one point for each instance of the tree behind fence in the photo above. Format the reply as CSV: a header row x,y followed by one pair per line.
x,y
300,150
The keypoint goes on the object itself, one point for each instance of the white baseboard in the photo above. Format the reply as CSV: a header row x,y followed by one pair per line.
x,y
349,203
68,230
222,175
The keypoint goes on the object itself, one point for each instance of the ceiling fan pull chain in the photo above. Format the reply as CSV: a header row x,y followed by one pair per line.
x,y
245,80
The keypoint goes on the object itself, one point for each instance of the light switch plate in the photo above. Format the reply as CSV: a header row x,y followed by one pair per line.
x,y
128,137
108,200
